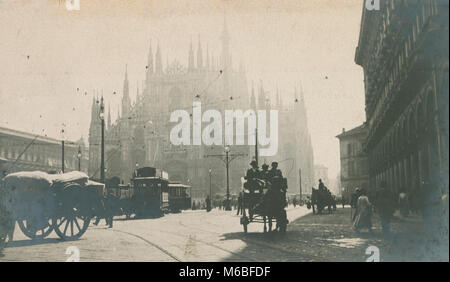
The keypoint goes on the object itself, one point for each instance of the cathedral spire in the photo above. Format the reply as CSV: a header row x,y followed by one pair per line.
x,y
199,55
207,56
226,58
253,99
158,61
93,108
278,99
261,97
191,58
150,61
109,116
126,104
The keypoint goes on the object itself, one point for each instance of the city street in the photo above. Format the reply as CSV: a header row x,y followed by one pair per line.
x,y
218,236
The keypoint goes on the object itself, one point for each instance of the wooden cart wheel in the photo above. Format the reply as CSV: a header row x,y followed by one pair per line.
x,y
71,227
74,212
35,231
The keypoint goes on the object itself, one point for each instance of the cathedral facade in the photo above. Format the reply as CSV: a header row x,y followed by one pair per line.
x,y
140,135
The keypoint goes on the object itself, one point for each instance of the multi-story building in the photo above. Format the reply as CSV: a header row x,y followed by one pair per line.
x,y
354,163
22,151
403,49
140,136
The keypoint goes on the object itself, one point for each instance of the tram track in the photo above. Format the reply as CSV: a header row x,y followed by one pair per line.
x,y
149,243
262,244
212,245
184,237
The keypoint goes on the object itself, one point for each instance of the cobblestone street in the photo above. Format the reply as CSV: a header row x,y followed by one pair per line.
x,y
218,236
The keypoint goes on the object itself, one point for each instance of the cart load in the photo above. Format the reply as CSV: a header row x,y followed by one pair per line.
x,y
42,202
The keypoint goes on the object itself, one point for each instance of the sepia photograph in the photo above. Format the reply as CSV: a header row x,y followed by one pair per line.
x,y
244,132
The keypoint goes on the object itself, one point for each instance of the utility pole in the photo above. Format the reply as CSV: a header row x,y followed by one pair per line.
x,y
300,181
62,156
227,159
79,158
210,185
256,146
227,162
102,157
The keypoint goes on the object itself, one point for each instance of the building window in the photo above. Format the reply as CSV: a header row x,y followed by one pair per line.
x,y
349,149
351,168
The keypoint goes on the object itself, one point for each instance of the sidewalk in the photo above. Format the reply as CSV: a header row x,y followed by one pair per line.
x,y
330,236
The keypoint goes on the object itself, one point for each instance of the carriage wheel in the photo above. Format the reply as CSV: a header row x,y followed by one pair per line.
x,y
34,232
74,212
71,227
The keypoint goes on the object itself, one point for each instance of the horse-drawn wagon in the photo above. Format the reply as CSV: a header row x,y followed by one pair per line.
x,y
265,200
41,202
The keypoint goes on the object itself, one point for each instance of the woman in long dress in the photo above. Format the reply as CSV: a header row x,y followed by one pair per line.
x,y
363,213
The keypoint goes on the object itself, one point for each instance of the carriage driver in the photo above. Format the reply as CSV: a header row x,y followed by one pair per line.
x,y
252,175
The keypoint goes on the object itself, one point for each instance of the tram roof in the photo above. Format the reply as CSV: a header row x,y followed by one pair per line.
x,y
150,178
179,185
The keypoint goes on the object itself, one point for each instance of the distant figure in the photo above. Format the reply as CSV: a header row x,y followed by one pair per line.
x,y
363,213
104,210
240,208
403,203
354,197
321,185
193,206
294,202
343,201
385,207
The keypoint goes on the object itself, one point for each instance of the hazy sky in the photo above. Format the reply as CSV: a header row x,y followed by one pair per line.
x,y
47,52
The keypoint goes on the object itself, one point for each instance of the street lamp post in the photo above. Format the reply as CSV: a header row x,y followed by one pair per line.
x,y
62,149
227,162
102,161
228,158
210,190
79,158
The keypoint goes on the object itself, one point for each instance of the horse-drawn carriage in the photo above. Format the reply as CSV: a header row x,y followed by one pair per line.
x,y
321,199
41,203
265,200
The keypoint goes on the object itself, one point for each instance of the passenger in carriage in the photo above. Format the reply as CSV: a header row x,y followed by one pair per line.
x,y
264,172
252,176
274,171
